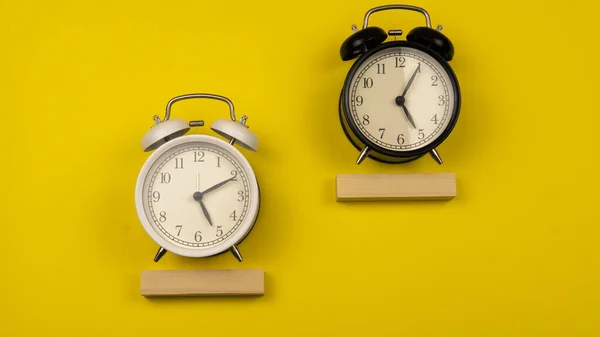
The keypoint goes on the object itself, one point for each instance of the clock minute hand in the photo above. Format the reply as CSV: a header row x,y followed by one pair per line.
x,y
212,188
410,81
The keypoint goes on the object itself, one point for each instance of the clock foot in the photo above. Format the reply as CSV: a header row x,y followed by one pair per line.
x,y
161,252
235,251
362,155
436,156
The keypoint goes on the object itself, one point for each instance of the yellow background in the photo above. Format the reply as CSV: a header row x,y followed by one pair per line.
x,y
515,254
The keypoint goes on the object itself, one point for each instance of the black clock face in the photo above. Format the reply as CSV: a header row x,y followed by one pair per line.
x,y
401,99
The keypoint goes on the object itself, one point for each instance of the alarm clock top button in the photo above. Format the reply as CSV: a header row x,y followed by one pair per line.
x,y
361,41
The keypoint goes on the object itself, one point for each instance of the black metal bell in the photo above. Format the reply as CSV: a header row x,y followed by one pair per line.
x,y
361,41
434,40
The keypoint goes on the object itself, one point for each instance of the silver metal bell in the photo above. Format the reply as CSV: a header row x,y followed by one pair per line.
x,y
236,132
162,132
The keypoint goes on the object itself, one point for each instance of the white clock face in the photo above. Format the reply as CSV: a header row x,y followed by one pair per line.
x,y
198,195
379,109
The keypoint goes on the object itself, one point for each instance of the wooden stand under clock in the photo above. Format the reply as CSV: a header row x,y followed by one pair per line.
x,y
377,187
221,282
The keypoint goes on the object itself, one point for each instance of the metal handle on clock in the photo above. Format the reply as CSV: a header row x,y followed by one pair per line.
x,y
209,96
387,7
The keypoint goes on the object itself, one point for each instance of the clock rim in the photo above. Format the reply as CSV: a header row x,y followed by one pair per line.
x,y
345,111
245,227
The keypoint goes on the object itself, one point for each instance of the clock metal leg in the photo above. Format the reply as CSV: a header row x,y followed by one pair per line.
x,y
436,156
235,251
161,252
362,155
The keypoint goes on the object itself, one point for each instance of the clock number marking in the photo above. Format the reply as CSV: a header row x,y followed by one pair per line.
x,y
198,236
162,216
400,139
367,82
434,79
421,134
366,120
400,62
232,216
434,119
359,100
178,163
178,227
218,161
165,177
382,130
419,68
442,100
219,231
240,196
198,157
381,68
156,196
234,173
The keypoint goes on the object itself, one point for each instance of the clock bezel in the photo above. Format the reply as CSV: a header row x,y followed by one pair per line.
x,y
345,111
244,229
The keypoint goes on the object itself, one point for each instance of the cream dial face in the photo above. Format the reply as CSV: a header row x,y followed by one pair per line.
x,y
379,113
198,195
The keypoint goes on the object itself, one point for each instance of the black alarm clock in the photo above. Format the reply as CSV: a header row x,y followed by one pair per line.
x,y
400,99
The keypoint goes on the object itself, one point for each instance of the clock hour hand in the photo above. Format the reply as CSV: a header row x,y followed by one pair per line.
x,y
400,101
212,188
198,197
410,119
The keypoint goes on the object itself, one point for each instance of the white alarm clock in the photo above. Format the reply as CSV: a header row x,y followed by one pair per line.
x,y
197,195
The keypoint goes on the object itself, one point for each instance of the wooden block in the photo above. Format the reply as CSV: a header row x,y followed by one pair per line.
x,y
218,282
375,187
